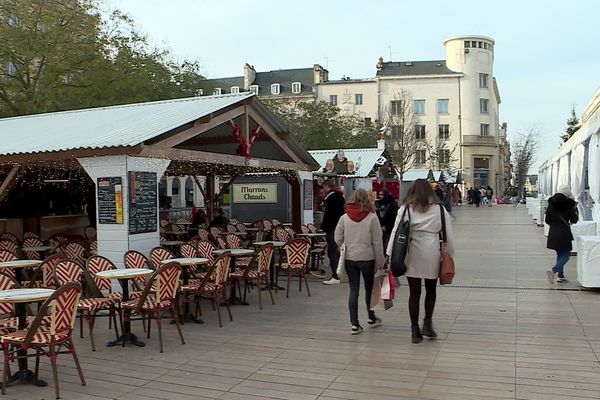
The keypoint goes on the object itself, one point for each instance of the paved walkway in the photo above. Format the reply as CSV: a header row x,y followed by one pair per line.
x,y
505,333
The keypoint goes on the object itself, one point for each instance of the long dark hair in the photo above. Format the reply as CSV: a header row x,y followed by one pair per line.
x,y
420,195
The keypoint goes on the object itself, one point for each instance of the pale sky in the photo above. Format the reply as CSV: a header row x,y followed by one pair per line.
x,y
546,54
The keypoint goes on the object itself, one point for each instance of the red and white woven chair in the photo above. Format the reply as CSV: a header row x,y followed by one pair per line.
x,y
159,254
205,250
203,234
89,232
73,250
6,255
297,252
160,294
29,234
258,275
48,340
9,245
32,242
9,236
135,259
215,288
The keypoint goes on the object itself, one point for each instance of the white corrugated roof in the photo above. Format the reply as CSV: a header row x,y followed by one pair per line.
x,y
125,125
364,159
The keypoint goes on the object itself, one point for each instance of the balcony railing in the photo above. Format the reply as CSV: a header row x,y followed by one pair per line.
x,y
478,140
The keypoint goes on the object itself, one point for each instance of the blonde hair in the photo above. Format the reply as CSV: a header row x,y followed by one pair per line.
x,y
361,197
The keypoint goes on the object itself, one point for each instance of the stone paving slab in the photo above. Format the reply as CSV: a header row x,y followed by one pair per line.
x,y
504,333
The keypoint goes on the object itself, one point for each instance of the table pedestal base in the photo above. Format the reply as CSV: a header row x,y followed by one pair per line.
x,y
26,376
128,338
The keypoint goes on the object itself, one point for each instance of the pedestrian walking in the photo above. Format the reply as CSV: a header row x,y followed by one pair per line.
x,y
560,214
489,193
476,197
387,208
334,209
423,259
360,232
482,195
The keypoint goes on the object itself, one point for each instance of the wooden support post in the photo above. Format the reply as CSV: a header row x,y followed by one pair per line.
x,y
8,181
210,189
199,186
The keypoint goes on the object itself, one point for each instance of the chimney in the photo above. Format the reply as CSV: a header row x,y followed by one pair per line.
x,y
380,64
320,74
381,144
249,76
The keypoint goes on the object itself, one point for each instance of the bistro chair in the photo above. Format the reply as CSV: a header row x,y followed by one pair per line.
x,y
48,340
30,234
267,225
89,232
215,288
159,254
290,231
279,234
8,323
275,222
9,236
304,229
135,259
32,242
205,249
296,251
48,266
9,245
163,285
234,221
240,227
231,228
221,243
312,228
203,234
215,233
67,271
57,239
94,248
234,242
6,255
259,275
188,250
102,296
73,250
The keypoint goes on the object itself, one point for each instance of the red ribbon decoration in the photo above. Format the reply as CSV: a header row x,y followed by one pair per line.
x,y
243,147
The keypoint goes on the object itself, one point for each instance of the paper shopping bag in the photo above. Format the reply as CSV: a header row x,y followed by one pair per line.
x,y
377,303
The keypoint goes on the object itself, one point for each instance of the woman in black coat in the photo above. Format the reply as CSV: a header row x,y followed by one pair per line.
x,y
387,209
560,214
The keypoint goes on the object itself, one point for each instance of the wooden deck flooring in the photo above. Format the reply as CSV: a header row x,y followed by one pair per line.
x,y
505,333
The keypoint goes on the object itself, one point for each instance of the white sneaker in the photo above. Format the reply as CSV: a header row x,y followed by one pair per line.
x,y
550,275
332,281
562,280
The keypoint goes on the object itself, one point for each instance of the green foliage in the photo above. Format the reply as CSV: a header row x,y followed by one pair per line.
x,y
63,55
319,125
572,126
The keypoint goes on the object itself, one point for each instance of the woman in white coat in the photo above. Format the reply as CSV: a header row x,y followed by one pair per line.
x,y
423,258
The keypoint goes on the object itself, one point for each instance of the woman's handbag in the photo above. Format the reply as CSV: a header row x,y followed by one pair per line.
x,y
446,262
400,245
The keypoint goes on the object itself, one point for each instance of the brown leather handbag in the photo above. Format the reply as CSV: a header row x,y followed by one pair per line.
x,y
446,262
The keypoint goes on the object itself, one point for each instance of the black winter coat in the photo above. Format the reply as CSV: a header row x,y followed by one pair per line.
x,y
334,209
561,212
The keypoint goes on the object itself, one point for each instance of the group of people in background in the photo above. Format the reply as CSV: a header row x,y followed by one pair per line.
x,y
482,195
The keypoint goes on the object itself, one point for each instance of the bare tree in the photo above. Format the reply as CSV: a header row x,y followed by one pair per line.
x,y
524,149
405,137
440,157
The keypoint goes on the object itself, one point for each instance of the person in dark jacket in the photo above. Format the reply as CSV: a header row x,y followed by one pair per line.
x,y
560,214
219,219
387,208
334,209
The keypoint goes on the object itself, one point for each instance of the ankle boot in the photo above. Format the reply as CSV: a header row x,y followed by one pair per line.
x,y
416,334
428,328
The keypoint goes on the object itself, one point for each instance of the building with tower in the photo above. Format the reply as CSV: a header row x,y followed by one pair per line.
x,y
455,103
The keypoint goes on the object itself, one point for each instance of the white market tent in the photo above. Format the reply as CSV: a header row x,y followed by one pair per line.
x,y
578,157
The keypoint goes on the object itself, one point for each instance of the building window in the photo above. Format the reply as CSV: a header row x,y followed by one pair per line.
x,y
485,130
420,157
420,132
467,43
442,106
333,99
443,157
368,121
396,107
419,107
483,106
200,92
217,91
235,89
296,87
254,89
397,131
481,163
444,131
358,99
483,81
275,88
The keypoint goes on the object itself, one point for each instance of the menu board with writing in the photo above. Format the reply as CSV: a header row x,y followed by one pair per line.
x,y
143,202
110,200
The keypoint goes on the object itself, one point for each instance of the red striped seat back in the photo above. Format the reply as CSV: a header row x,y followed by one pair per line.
x,y
297,252
222,269
188,251
159,254
233,242
6,282
9,245
67,271
96,264
48,266
264,255
205,249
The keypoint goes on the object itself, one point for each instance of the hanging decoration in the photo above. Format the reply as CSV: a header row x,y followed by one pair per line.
x,y
243,146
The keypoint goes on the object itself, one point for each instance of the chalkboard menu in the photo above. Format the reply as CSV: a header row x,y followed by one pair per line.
x,y
110,200
143,202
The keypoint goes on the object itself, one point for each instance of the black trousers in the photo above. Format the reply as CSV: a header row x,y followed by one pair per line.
x,y
354,269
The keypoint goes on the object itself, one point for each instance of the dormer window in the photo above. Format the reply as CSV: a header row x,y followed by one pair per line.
x,y
275,88
296,87
254,89
235,89
217,91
